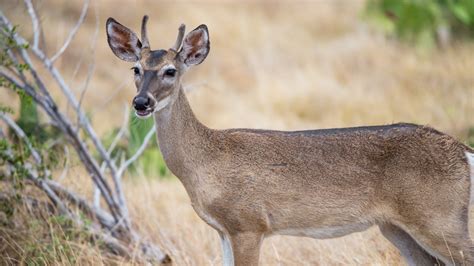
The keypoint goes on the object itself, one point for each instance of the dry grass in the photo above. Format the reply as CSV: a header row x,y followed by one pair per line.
x,y
272,65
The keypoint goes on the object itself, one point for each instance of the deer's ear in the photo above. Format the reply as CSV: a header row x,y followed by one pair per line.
x,y
196,46
123,42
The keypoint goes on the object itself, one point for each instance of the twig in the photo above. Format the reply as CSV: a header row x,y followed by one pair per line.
x,y
84,88
126,83
34,22
15,61
137,154
72,33
66,163
111,148
122,130
21,134
28,89
105,219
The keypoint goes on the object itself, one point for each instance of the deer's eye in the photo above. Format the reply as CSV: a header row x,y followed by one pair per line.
x,y
136,71
170,72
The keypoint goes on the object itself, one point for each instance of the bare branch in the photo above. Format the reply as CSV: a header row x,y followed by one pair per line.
x,y
92,65
28,89
72,33
34,21
48,104
84,87
51,108
105,219
137,154
122,130
111,148
15,61
64,88
126,83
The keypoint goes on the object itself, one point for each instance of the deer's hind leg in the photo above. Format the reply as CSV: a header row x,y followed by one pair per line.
x,y
449,241
411,251
443,231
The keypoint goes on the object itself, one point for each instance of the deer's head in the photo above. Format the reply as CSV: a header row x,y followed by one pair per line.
x,y
157,73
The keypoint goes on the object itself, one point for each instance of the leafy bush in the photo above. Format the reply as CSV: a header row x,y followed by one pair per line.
x,y
423,21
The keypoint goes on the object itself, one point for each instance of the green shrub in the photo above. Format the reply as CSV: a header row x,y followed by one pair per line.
x,y
421,21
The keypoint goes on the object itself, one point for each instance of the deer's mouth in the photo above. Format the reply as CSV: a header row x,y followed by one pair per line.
x,y
144,113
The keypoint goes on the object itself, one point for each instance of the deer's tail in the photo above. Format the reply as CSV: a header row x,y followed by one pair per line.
x,y
470,160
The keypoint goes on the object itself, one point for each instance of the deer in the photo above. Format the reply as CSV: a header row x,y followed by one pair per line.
x,y
412,181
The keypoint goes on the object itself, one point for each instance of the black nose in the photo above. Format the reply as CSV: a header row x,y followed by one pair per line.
x,y
141,103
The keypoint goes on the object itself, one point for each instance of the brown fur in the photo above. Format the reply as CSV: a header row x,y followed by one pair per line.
x,y
412,181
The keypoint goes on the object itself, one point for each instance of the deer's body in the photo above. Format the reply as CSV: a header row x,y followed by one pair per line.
x,y
412,181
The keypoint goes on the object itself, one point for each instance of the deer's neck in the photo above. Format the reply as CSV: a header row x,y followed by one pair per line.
x,y
180,137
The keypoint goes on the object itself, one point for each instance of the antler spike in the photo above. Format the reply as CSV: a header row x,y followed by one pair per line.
x,y
180,37
145,42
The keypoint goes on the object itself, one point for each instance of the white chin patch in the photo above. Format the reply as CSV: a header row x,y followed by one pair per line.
x,y
143,116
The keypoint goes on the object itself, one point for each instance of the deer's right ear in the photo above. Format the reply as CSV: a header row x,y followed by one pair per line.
x,y
123,42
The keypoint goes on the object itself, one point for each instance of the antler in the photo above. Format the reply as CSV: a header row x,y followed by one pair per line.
x,y
180,37
145,43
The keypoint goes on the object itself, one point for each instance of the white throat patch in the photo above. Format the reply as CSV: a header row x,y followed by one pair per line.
x,y
162,104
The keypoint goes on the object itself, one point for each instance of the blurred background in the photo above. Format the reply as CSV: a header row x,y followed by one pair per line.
x,y
286,65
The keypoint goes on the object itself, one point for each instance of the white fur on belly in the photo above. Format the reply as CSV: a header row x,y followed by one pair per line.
x,y
325,232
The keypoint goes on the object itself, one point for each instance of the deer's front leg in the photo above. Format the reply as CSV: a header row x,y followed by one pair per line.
x,y
241,249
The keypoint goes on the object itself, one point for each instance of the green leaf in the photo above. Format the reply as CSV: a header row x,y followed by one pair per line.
x,y
461,13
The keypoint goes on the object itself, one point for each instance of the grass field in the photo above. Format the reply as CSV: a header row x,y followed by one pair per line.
x,y
284,65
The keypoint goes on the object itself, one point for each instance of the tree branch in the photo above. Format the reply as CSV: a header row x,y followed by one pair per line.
x,y
137,154
34,22
117,221
51,108
72,33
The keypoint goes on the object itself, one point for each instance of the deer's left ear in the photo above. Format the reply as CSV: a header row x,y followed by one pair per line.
x,y
196,46
123,42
